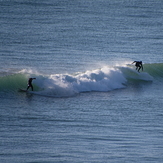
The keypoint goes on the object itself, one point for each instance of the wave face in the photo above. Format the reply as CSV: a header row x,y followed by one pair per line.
x,y
65,85
155,70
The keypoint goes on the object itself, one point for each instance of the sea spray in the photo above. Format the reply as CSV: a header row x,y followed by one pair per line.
x,y
104,79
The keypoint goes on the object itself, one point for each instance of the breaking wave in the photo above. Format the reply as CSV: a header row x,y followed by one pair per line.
x,y
65,85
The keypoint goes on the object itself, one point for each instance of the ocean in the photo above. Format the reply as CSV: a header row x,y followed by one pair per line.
x,y
89,103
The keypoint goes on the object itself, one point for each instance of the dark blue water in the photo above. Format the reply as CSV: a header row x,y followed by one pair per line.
x,y
89,104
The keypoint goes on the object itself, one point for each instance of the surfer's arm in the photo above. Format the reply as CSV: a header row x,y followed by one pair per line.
x,y
133,62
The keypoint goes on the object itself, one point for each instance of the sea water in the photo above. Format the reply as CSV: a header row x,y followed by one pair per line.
x,y
89,104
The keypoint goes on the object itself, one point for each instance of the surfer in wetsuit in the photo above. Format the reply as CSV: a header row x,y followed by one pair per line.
x,y
30,83
138,65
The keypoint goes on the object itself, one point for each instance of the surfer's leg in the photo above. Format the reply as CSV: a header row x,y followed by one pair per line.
x,y
28,87
32,87
139,69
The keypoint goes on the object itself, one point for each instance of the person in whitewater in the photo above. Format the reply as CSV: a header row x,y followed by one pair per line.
x,y
138,65
30,83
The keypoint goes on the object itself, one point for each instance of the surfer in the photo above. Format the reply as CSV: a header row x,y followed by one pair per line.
x,y
30,83
138,65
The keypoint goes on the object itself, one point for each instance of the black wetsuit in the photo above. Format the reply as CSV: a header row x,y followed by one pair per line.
x,y
30,83
138,65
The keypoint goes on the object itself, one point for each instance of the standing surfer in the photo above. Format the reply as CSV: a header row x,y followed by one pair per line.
x,y
30,83
138,65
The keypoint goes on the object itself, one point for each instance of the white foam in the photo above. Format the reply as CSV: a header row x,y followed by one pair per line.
x,y
105,79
